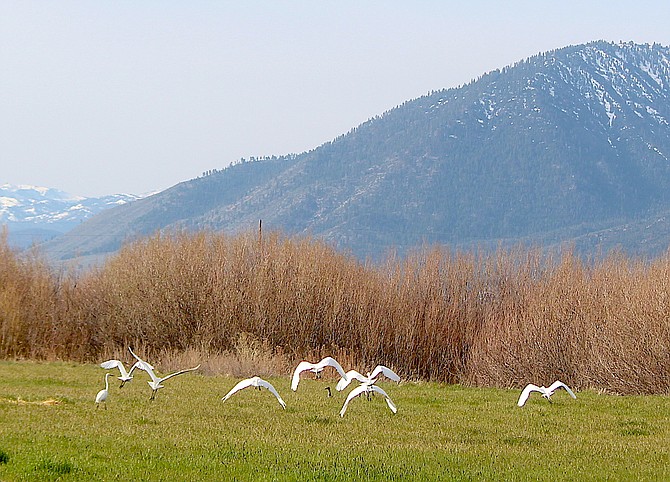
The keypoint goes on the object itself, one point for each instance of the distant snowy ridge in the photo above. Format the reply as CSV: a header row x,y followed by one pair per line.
x,y
26,209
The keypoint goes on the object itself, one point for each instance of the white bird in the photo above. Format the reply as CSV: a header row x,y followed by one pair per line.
x,y
126,376
254,382
102,395
370,379
155,382
141,364
546,392
367,388
316,368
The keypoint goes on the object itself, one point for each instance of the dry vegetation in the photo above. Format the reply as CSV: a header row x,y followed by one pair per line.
x,y
242,304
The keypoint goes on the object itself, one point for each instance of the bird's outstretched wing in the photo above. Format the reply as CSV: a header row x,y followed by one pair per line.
x,y
352,394
133,368
302,366
389,402
350,375
387,372
559,384
239,386
331,362
149,369
526,393
269,386
111,364
178,373
143,365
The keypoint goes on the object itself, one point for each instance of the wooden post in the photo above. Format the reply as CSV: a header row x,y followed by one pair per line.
x,y
260,237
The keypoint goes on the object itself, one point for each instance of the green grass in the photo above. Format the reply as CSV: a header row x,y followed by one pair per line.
x,y
441,432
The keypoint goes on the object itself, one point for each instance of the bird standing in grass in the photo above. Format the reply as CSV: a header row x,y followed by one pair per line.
x,y
546,392
102,395
316,368
258,383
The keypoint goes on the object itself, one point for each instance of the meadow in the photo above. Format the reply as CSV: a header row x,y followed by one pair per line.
x,y
50,429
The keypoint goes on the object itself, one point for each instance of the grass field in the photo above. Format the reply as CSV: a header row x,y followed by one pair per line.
x,y
50,429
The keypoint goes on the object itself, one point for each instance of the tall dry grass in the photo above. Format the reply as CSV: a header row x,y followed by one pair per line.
x,y
246,304
37,309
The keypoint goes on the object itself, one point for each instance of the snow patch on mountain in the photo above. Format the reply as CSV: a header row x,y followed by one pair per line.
x,y
26,206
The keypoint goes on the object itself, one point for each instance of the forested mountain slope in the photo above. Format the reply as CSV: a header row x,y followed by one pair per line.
x,y
560,145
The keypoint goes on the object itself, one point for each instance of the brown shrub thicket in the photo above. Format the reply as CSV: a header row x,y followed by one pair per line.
x,y
246,303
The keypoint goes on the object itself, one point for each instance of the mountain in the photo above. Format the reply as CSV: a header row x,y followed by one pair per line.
x,y
33,214
571,144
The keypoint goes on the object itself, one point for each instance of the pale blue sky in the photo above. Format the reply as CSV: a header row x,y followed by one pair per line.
x,y
101,97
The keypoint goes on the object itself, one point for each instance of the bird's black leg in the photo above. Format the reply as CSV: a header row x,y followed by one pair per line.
x,y
329,393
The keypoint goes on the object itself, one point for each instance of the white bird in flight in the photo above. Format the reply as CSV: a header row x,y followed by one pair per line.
x,y
102,395
126,376
141,364
254,382
546,392
155,382
316,368
367,388
370,379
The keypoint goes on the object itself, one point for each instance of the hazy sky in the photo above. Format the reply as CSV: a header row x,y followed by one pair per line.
x,y
101,97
